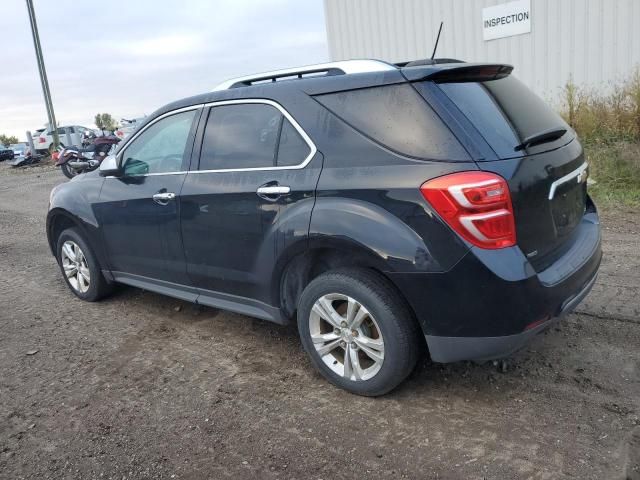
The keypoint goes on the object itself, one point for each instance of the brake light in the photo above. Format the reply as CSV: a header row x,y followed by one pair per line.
x,y
41,140
476,205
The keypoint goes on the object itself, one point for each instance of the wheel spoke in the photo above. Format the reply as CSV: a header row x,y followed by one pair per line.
x,y
84,271
324,337
355,363
69,252
70,271
374,348
325,310
348,368
325,349
67,265
360,315
352,309
83,282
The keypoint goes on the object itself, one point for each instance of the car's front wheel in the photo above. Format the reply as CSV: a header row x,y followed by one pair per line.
x,y
357,331
80,267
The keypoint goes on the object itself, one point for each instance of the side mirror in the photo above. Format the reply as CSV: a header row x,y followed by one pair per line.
x,y
109,167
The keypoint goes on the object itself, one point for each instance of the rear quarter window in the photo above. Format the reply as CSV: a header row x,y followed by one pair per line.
x,y
397,117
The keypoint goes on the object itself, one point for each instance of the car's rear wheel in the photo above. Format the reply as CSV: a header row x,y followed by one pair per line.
x,y
80,267
357,331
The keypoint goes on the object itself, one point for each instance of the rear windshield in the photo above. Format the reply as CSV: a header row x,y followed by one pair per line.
x,y
397,117
505,112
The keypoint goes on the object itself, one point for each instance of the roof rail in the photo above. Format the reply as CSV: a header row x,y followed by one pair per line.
x,y
343,67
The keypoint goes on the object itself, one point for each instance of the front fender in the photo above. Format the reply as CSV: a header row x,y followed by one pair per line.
x,y
73,201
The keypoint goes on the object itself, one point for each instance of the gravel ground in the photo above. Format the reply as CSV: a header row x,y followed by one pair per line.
x,y
144,386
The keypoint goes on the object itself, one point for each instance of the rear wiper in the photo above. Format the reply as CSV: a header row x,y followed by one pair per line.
x,y
542,137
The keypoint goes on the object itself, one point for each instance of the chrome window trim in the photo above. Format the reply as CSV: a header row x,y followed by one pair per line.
x,y
568,177
312,147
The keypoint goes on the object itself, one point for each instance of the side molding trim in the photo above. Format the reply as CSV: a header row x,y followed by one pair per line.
x,y
223,301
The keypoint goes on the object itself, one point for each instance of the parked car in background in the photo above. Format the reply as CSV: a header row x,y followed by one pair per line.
x,y
5,153
36,133
44,143
19,149
389,210
127,127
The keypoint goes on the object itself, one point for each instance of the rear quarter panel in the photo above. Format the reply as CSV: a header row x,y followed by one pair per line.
x,y
371,197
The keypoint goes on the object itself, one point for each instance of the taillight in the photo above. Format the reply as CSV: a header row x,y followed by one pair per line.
x,y
477,205
41,140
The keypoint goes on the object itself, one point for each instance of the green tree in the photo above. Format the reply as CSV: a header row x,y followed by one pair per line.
x,y
105,121
7,140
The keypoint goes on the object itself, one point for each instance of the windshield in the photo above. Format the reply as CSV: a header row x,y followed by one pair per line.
x,y
506,112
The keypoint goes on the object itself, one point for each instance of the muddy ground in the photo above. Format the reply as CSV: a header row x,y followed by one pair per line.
x,y
144,386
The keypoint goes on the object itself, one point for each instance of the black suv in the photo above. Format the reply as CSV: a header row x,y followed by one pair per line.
x,y
385,207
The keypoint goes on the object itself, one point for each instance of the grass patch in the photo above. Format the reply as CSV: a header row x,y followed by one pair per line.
x,y
608,125
615,168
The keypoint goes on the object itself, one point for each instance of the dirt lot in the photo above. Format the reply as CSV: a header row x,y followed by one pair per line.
x,y
143,386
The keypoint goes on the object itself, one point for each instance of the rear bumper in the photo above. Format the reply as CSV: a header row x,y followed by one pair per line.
x,y
454,349
493,302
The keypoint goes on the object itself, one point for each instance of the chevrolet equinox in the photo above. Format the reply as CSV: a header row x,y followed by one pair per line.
x,y
389,209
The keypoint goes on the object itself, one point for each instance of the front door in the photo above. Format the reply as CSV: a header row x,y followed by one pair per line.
x,y
139,211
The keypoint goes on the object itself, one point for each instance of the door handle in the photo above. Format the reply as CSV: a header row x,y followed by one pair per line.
x,y
163,198
272,192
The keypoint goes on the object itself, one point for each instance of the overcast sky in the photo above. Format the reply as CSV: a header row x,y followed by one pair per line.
x,y
129,58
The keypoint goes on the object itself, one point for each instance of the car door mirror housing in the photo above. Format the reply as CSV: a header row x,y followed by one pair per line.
x,y
110,167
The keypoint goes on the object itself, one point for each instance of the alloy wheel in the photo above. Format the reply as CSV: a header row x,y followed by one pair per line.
x,y
75,266
346,337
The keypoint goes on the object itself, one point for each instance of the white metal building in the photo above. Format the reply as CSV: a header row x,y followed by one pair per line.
x,y
596,42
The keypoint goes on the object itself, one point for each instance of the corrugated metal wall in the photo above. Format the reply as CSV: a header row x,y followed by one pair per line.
x,y
595,41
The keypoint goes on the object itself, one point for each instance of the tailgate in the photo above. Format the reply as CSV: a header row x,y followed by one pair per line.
x,y
549,197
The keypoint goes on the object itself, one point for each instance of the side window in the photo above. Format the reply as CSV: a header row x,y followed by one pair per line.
x,y
161,147
292,149
240,136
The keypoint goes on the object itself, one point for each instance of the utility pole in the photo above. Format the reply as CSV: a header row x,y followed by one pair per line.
x,y
43,74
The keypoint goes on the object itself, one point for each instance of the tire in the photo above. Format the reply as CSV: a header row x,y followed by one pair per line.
x,y
68,171
97,286
387,330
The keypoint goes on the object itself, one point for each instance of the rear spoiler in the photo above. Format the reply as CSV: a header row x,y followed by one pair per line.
x,y
458,72
427,61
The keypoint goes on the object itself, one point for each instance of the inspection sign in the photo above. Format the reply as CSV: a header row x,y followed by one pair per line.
x,y
506,19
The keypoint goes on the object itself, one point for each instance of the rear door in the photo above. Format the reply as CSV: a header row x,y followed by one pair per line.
x,y
255,163
534,150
